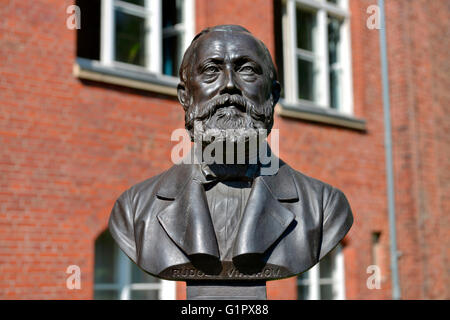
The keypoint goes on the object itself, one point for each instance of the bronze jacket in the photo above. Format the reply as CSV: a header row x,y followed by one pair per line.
x,y
290,222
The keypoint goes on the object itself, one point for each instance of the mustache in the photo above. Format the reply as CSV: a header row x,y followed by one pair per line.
x,y
207,110
225,100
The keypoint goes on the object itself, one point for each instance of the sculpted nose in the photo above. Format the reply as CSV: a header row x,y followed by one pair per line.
x,y
230,86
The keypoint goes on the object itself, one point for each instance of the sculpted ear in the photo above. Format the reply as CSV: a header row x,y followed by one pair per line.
x,y
182,95
276,91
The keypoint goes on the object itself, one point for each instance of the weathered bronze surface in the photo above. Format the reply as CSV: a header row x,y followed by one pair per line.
x,y
228,222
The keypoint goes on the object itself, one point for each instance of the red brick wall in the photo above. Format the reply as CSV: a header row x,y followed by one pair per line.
x,y
419,78
70,147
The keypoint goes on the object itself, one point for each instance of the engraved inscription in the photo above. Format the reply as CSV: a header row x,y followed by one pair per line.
x,y
189,272
267,272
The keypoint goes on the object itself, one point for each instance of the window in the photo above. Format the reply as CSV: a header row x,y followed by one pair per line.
x,y
325,281
316,54
376,249
117,277
136,35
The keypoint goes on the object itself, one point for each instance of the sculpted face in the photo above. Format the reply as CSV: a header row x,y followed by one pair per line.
x,y
229,84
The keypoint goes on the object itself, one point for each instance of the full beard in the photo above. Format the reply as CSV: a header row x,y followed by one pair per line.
x,y
229,118
230,121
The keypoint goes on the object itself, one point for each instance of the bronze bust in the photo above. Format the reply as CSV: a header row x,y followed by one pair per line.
x,y
228,222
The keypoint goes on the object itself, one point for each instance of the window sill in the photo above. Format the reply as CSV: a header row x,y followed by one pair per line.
x,y
94,70
320,115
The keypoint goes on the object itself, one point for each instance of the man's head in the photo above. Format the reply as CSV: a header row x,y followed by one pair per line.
x,y
227,81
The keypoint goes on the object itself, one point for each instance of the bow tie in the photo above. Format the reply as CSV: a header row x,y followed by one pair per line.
x,y
221,172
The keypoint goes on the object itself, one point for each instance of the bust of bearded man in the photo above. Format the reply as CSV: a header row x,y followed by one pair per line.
x,y
228,220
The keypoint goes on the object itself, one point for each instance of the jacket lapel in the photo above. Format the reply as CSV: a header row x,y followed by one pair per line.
x,y
265,219
187,219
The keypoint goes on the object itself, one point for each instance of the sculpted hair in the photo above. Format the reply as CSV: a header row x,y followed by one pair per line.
x,y
190,54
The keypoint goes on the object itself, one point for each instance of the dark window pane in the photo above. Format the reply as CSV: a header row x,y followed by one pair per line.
x,y
303,288
130,38
326,266
335,100
105,257
333,1
304,276
306,22
376,247
106,295
88,37
172,47
139,276
334,38
138,2
305,70
144,295
172,12
326,292
302,292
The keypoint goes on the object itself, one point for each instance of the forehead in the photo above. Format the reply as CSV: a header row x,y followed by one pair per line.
x,y
229,44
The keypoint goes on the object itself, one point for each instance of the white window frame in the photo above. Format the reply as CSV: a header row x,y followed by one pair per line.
x,y
337,280
291,53
152,11
123,285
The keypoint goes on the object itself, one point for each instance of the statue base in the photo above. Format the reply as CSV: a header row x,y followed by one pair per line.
x,y
226,290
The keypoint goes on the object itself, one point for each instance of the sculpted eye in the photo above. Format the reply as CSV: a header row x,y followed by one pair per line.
x,y
210,70
247,69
